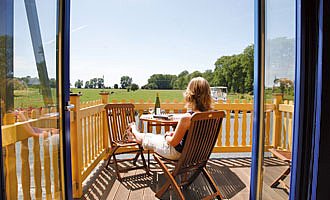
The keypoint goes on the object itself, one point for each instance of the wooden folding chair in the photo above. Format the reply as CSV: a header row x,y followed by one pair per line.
x,y
118,118
286,156
201,138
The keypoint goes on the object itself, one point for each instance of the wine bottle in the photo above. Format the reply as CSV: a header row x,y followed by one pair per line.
x,y
157,105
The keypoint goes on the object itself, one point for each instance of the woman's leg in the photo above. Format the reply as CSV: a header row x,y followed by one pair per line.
x,y
158,144
138,136
155,142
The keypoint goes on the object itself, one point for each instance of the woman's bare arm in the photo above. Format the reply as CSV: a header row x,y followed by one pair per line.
x,y
180,131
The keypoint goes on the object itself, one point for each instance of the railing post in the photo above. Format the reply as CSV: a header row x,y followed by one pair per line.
x,y
277,120
76,147
9,153
290,126
105,100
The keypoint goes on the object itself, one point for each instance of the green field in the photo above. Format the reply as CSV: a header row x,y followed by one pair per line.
x,y
31,97
120,94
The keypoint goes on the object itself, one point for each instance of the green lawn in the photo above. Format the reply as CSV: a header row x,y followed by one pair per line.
x,y
120,94
32,98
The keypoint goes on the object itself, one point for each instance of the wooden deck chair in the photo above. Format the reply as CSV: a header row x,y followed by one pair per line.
x,y
118,118
286,156
201,138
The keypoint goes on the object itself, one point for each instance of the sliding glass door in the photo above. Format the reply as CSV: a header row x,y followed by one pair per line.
x,y
278,91
31,99
274,95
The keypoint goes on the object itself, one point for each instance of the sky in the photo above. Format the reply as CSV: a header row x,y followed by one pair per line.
x,y
138,38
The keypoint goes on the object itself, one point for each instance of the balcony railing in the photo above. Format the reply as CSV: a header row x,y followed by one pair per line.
x,y
90,145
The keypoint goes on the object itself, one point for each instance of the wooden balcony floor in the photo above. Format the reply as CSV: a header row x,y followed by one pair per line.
x,y
232,176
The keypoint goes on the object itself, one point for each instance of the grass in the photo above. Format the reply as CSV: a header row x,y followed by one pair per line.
x,y
31,97
120,94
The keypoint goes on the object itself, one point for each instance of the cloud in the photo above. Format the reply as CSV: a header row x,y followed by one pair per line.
x,y
52,41
79,28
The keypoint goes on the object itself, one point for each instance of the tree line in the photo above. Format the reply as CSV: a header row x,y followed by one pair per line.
x,y
235,72
125,83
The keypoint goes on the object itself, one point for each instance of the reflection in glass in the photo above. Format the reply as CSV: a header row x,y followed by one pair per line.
x,y
29,111
279,95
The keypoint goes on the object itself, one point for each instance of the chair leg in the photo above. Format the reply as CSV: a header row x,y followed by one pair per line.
x,y
281,178
149,159
136,157
163,189
212,183
116,167
191,179
144,162
112,152
170,181
109,160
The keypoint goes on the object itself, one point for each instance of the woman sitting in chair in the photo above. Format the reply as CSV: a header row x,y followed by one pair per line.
x,y
198,98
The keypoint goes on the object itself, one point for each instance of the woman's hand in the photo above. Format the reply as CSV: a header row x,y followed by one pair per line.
x,y
169,133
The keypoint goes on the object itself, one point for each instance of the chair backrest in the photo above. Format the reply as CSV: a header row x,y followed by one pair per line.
x,y
118,118
201,138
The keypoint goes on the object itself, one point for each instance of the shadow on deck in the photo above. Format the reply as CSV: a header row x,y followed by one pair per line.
x,y
232,175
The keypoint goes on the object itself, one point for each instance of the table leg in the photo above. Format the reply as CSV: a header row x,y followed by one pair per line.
x,y
149,127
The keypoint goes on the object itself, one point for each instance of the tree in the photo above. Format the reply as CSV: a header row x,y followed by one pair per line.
x,y
161,81
248,67
52,83
93,82
150,86
100,82
79,83
284,84
115,86
134,87
208,75
87,84
235,72
125,81
195,74
182,81
19,84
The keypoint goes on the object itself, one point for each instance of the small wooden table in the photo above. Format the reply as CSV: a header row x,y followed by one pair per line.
x,y
159,121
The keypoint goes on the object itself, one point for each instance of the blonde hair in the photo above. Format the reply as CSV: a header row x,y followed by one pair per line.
x,y
198,94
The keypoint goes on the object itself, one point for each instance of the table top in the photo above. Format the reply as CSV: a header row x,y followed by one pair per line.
x,y
163,119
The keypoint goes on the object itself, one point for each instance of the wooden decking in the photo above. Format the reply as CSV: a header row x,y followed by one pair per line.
x,y
232,176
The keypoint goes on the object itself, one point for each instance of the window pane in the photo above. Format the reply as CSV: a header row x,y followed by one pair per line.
x,y
279,91
29,102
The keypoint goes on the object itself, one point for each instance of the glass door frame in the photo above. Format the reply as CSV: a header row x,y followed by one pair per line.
x,y
64,93
63,79
256,180
6,28
308,151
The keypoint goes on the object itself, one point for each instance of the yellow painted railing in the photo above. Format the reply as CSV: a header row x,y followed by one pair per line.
x,y
17,140
89,138
286,110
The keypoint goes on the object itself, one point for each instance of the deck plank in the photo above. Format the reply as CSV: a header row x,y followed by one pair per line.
x,y
140,184
232,175
123,192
